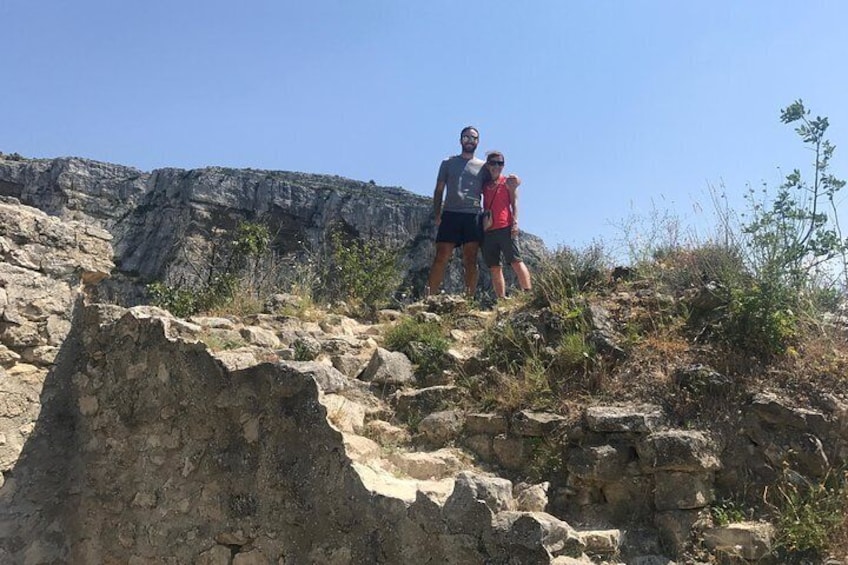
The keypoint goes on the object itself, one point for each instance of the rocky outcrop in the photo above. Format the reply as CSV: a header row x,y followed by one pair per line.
x,y
44,263
171,454
165,221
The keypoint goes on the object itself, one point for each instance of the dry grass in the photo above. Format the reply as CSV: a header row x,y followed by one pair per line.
x,y
243,303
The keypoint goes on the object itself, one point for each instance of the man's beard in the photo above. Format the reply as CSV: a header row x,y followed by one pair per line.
x,y
468,147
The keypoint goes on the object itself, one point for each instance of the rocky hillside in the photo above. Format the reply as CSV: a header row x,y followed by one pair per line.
x,y
130,436
301,435
275,439
165,221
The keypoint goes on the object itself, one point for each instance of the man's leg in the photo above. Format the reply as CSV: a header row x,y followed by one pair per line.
x,y
444,250
498,282
522,273
469,261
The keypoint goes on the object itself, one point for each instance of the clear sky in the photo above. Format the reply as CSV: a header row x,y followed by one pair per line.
x,y
604,108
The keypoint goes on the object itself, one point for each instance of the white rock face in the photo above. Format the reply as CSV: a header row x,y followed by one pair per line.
x,y
151,214
44,264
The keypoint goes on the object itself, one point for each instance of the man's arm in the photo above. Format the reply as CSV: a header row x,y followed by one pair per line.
x,y
438,197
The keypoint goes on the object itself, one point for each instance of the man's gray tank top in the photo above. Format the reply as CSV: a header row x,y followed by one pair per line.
x,y
463,179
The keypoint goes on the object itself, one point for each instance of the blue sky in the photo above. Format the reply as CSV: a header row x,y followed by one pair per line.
x,y
605,109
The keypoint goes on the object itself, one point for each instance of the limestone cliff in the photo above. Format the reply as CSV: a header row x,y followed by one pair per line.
x,y
153,216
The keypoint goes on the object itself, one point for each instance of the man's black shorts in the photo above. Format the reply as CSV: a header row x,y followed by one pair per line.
x,y
460,228
500,241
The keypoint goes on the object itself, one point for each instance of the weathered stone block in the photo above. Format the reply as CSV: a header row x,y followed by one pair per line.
x,y
628,419
750,540
216,555
386,433
427,465
676,529
531,498
601,542
491,424
772,409
441,428
531,530
628,496
510,452
473,502
599,463
326,377
481,446
411,404
535,424
348,365
388,367
345,414
677,450
254,557
683,491
259,336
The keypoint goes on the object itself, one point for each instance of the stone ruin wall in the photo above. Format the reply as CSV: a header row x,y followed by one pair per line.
x,y
158,453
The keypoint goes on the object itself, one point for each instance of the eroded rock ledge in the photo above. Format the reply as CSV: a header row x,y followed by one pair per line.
x,y
44,262
169,457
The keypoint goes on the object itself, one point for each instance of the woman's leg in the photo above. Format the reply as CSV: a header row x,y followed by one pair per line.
x,y
498,282
522,273
513,255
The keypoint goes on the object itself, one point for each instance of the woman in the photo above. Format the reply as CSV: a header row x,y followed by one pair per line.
x,y
500,204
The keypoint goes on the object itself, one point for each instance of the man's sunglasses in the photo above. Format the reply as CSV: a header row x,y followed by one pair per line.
x,y
469,138
496,163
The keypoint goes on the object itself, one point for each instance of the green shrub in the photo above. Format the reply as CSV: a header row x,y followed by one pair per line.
x,y
354,270
508,343
302,351
234,262
573,350
423,342
179,301
545,460
761,319
526,387
791,243
251,239
728,511
185,300
808,514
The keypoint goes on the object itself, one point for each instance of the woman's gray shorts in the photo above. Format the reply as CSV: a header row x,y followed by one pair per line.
x,y
497,242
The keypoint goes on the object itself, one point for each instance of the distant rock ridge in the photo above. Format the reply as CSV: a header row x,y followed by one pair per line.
x,y
152,216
